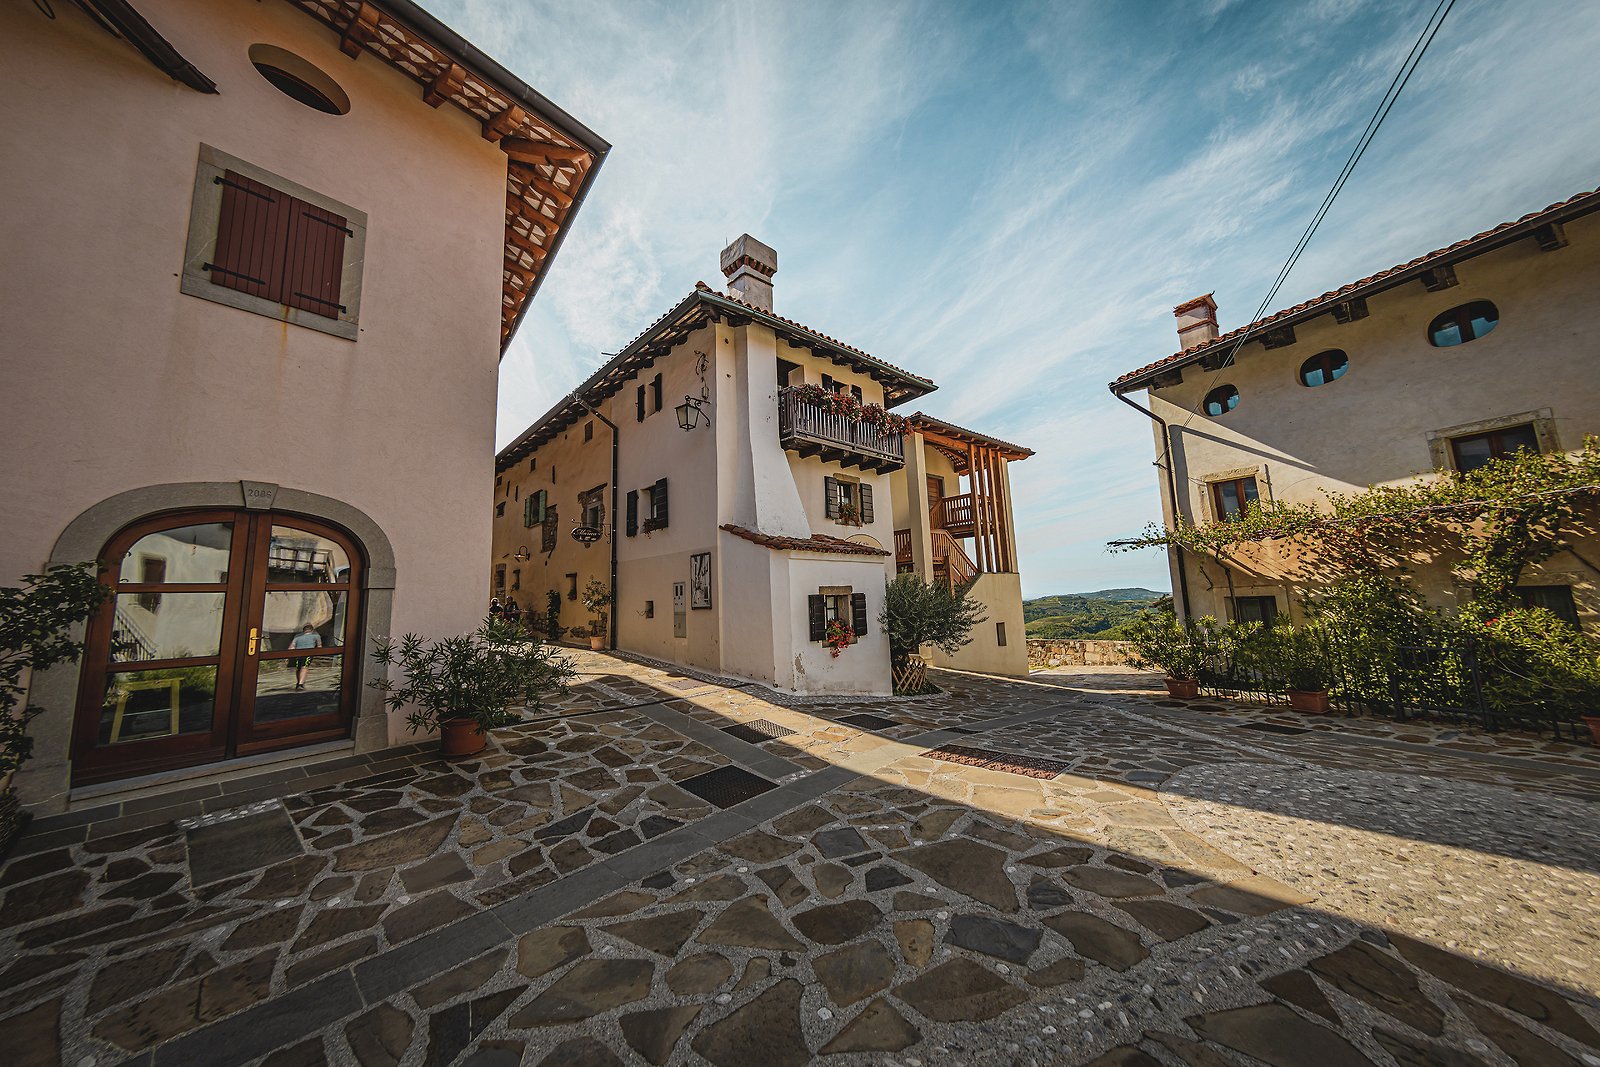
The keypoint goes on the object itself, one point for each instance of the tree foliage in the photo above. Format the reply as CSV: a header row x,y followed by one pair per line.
x,y
917,613
36,620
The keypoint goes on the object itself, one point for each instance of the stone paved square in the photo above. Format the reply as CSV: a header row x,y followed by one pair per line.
x,y
1184,892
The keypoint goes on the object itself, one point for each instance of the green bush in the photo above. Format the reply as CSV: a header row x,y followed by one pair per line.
x,y
1179,650
36,619
469,676
1531,659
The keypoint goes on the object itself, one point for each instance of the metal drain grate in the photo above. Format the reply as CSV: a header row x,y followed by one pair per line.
x,y
1274,728
990,760
726,786
868,721
756,731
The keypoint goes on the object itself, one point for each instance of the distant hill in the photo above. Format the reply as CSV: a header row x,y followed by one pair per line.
x,y
1102,614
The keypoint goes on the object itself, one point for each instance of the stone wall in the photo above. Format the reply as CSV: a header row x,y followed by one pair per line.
x,y
1044,653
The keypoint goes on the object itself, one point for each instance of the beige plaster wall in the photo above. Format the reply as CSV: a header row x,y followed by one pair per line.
x,y
1001,597
117,380
1372,425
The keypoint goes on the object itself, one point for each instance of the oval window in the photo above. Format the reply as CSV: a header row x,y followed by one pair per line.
x,y
1221,400
299,80
1324,367
1462,324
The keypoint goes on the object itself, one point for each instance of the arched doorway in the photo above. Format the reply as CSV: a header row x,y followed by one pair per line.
x,y
232,632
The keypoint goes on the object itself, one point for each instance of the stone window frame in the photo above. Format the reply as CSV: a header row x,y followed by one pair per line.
x,y
1208,510
205,212
1544,431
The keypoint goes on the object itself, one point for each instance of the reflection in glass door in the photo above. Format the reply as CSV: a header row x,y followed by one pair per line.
x,y
226,635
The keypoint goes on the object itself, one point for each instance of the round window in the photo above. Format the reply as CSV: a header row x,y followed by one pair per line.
x,y
299,80
1221,400
1462,324
1324,367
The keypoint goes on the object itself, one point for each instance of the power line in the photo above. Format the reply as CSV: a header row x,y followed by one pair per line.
x,y
1408,67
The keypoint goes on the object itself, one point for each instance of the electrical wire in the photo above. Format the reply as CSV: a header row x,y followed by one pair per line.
x,y
1408,67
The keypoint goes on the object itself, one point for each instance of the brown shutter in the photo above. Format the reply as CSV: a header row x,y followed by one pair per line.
x,y
641,404
633,512
818,616
315,259
866,503
252,231
658,496
830,488
858,613
655,391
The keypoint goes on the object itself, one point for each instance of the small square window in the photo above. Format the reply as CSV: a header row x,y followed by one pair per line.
x,y
1553,598
1232,497
649,609
1000,634
500,509
572,587
1475,450
1258,609
588,431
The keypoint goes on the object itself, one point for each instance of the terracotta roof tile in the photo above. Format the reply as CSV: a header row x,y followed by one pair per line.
x,y
1192,353
814,543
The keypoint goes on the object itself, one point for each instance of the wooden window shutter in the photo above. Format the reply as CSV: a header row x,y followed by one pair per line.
x,y
830,486
544,502
866,503
818,616
251,237
315,259
855,391
640,398
658,499
633,512
528,510
858,613
655,392
827,382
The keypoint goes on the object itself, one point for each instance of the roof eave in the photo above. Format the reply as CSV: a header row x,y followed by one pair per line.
x,y
1491,241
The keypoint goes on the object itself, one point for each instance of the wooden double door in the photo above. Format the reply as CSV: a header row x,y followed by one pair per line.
x,y
229,633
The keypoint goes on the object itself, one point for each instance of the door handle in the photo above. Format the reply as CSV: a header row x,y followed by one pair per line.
x,y
252,649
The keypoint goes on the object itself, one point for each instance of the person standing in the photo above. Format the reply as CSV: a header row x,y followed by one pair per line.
x,y
306,638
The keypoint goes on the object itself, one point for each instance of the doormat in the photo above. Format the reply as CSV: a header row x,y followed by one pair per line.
x,y
756,731
726,786
1274,728
868,721
228,847
990,760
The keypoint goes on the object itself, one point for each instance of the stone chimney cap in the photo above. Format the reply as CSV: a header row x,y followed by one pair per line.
x,y
1199,301
751,253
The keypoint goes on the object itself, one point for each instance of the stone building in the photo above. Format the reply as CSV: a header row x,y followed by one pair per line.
x,y
261,262
1459,356
731,475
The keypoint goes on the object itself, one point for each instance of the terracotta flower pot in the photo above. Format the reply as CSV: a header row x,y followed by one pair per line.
x,y
1183,688
597,644
461,737
1310,701
1593,723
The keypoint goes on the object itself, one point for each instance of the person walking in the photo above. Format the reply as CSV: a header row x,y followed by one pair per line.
x,y
306,638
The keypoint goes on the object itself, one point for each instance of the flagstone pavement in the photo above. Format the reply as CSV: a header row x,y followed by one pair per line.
x,y
665,869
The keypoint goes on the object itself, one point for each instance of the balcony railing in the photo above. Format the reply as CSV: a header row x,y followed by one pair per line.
x,y
812,431
956,514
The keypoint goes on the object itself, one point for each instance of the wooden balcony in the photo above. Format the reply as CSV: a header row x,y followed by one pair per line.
x,y
957,514
811,431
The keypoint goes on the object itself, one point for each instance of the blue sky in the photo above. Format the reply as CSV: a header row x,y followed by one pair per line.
x,y
1010,198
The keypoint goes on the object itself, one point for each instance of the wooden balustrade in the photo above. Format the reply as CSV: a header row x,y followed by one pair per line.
x,y
814,431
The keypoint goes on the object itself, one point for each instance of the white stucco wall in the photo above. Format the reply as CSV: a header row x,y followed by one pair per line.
x,y
116,380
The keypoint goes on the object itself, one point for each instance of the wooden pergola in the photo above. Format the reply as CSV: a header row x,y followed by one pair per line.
x,y
982,459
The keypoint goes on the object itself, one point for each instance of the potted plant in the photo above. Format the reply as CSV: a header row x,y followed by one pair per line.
x,y
916,614
1305,666
849,513
461,686
36,620
839,637
1160,642
596,597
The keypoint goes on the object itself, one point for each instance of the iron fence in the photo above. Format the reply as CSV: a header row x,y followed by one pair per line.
x,y
1438,682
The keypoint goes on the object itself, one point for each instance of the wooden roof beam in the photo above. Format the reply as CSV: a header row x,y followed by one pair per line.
x,y
526,244
502,124
363,27
444,85
540,152
549,190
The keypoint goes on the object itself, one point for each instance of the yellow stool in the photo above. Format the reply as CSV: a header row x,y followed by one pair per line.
x,y
173,685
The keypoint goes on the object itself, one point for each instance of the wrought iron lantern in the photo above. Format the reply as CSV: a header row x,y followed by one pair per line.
x,y
692,412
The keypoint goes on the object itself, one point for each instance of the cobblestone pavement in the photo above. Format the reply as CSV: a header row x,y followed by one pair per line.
x,y
665,869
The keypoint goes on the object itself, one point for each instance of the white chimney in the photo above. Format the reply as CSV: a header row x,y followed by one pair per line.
x,y
1197,322
749,266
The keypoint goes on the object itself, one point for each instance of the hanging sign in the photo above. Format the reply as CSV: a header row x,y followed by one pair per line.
x,y
586,535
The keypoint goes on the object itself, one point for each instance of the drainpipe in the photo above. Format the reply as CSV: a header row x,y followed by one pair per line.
x,y
615,607
1172,496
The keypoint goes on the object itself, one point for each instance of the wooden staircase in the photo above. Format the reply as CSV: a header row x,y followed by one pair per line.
x,y
951,564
